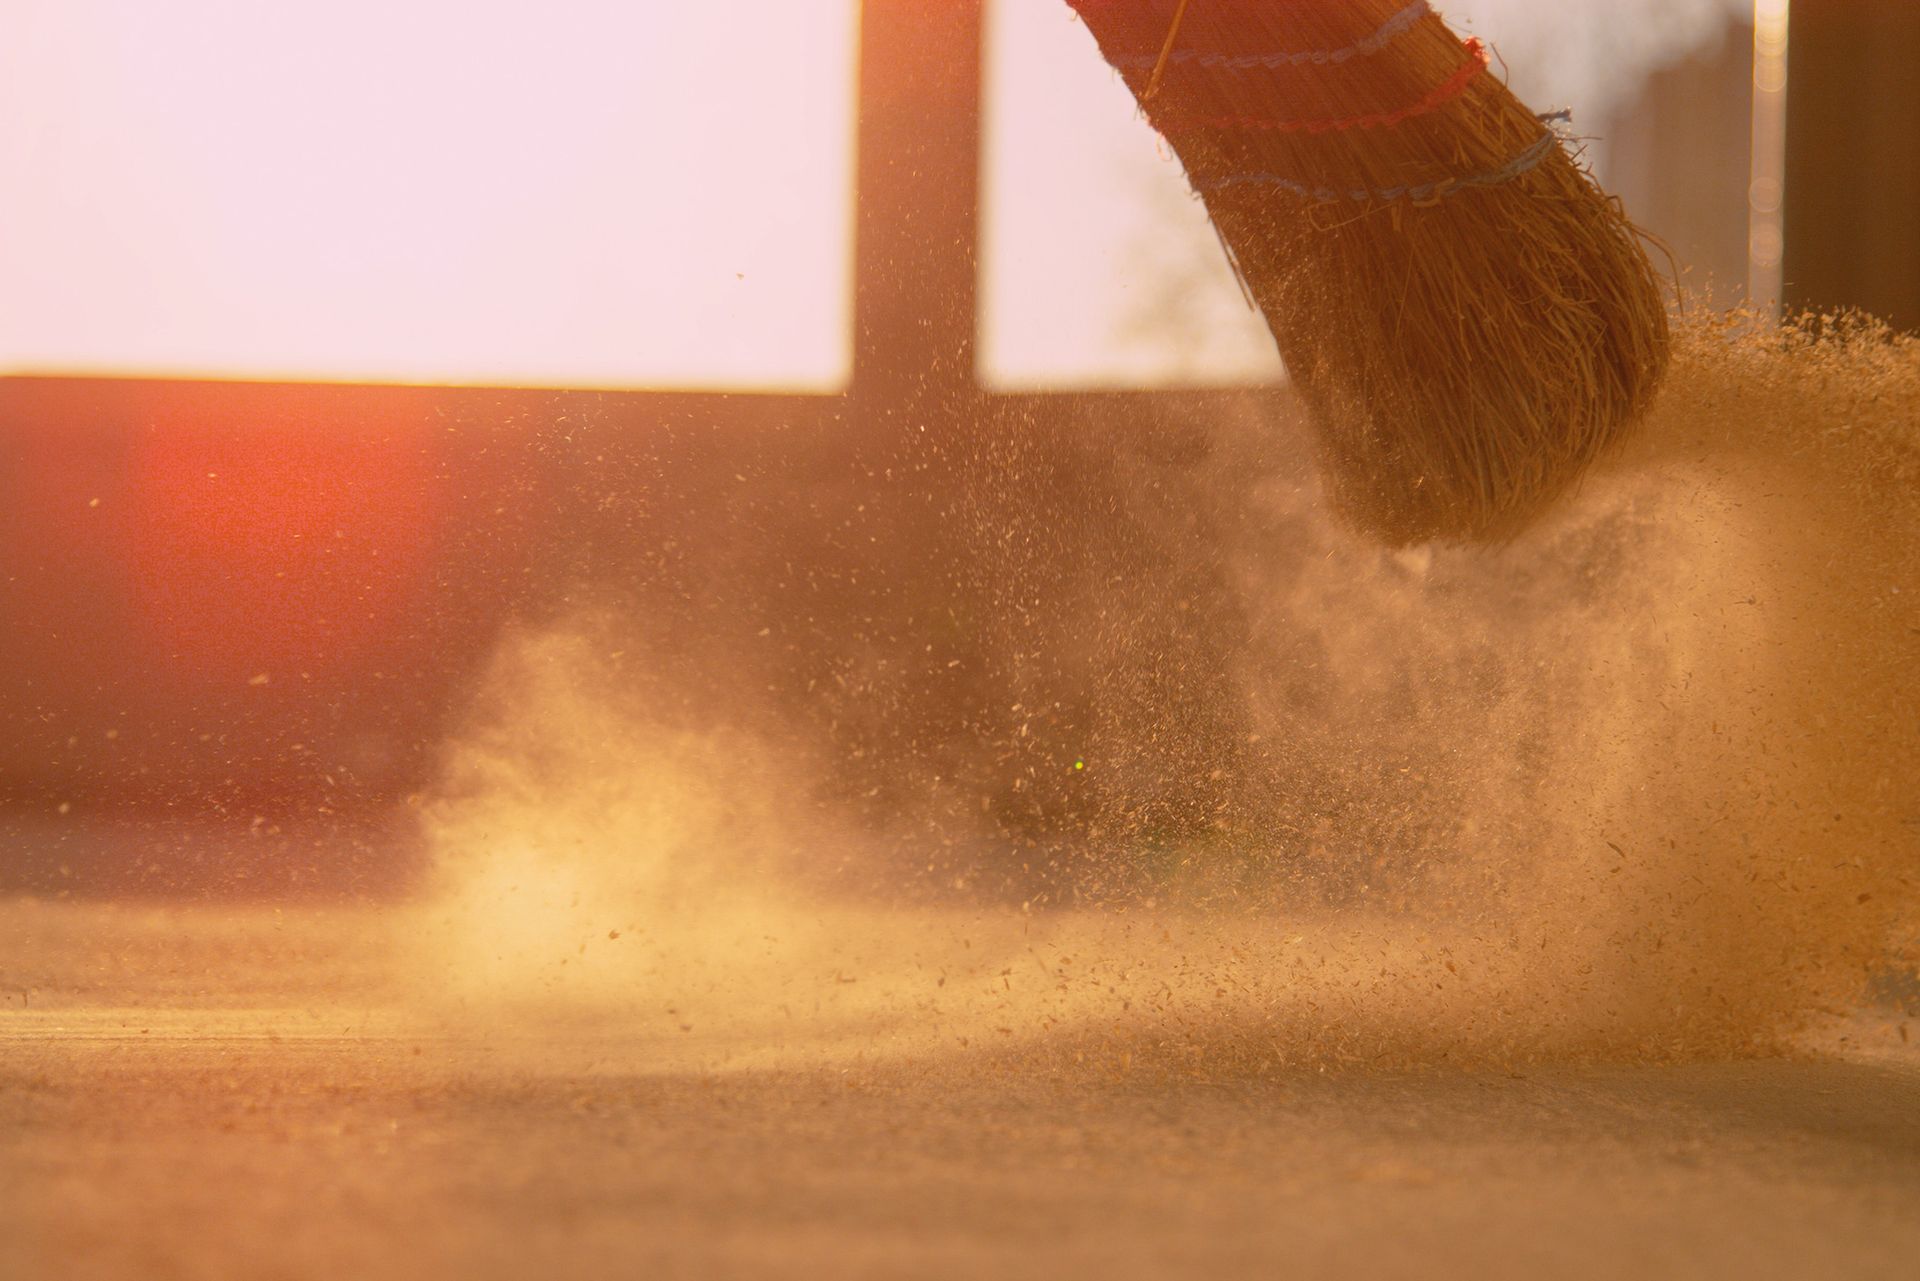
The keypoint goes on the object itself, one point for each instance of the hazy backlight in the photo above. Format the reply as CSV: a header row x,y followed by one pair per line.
x,y
598,194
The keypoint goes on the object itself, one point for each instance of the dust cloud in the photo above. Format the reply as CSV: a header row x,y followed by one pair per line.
x,y
1643,783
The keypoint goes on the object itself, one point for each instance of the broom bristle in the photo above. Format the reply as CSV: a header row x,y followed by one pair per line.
x,y
1470,320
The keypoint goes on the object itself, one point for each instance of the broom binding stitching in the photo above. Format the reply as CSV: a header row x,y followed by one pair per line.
x,y
1447,91
1522,163
1386,34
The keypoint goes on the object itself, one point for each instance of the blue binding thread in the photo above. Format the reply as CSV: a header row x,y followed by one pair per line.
x,y
1522,163
1389,31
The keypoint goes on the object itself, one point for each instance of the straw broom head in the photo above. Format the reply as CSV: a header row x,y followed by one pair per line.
x,y
1470,320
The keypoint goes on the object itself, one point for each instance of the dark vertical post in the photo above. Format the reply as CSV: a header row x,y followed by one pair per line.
x,y
1853,158
918,188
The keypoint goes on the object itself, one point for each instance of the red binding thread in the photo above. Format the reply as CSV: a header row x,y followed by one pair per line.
x,y
1446,92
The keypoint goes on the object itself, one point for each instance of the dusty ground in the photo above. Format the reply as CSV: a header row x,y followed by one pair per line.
x,y
201,1094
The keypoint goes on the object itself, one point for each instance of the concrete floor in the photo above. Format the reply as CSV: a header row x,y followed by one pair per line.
x,y
267,1112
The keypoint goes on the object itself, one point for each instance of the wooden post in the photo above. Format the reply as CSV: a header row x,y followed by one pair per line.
x,y
918,186
1853,158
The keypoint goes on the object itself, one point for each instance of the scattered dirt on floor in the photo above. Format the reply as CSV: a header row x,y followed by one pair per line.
x,y
1638,784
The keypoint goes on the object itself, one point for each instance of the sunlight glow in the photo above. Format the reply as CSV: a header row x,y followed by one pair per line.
x,y
585,194
1099,268
1766,193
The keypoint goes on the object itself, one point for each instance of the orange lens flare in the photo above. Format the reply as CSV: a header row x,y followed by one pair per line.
x,y
255,548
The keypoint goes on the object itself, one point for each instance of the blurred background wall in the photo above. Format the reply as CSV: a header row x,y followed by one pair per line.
x,y
240,609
